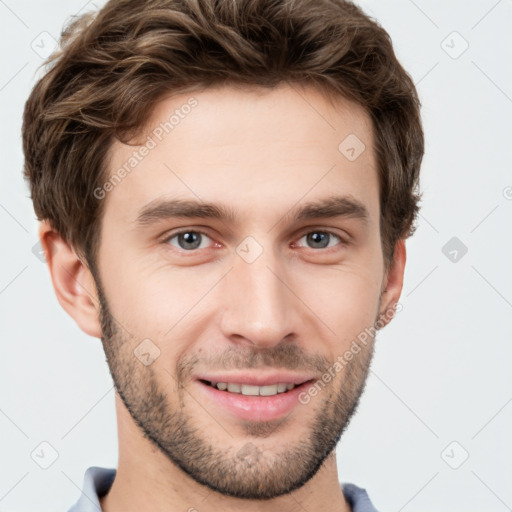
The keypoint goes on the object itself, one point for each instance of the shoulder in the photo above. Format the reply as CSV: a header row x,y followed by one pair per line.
x,y
357,498
96,483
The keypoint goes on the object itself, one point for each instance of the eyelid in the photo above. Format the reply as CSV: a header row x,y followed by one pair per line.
x,y
343,235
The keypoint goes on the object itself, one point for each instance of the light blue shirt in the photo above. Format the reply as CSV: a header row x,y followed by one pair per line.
x,y
97,483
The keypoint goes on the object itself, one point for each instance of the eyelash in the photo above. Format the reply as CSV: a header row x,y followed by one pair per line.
x,y
343,242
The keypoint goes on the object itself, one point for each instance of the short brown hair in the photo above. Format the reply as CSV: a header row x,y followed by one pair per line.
x,y
113,67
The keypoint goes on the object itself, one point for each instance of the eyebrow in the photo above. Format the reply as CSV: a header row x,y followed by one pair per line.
x,y
334,206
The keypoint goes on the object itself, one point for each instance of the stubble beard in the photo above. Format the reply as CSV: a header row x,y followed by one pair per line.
x,y
247,472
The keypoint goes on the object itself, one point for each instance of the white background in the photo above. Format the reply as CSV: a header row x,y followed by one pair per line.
x,y
442,370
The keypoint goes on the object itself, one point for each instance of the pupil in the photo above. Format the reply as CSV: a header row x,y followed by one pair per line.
x,y
191,240
318,238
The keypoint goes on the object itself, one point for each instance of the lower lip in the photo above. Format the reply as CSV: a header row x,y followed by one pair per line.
x,y
256,408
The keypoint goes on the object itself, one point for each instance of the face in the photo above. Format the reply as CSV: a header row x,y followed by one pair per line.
x,y
242,249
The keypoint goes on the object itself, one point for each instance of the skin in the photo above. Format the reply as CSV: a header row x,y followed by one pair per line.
x,y
297,307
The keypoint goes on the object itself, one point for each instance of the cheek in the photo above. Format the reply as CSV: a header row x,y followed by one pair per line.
x,y
162,303
346,300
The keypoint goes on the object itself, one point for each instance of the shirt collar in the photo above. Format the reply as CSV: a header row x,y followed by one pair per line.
x,y
97,483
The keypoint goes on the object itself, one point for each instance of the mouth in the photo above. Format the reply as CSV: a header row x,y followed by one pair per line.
x,y
253,402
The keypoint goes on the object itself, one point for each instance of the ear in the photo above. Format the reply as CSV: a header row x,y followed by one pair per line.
x,y
72,281
392,284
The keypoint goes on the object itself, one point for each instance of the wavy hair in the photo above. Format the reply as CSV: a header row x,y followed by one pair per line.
x,y
113,66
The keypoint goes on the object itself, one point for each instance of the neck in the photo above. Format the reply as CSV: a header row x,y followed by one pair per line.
x,y
147,480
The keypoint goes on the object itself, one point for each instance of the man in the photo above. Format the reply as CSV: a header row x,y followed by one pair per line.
x,y
225,190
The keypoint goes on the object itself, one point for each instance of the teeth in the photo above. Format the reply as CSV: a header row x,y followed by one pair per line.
x,y
249,390
268,390
234,388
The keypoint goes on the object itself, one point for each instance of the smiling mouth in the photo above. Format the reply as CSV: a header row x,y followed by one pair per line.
x,y
251,390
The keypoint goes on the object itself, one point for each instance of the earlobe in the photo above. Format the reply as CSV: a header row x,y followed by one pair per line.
x,y
72,281
392,284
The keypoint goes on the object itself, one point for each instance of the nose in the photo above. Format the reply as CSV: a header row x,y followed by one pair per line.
x,y
259,305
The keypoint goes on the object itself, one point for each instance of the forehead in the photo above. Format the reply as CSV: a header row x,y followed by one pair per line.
x,y
248,148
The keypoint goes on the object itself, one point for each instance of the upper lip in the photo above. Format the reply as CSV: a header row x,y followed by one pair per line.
x,y
258,379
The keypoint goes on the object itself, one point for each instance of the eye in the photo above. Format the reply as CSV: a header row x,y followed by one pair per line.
x,y
321,239
188,240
